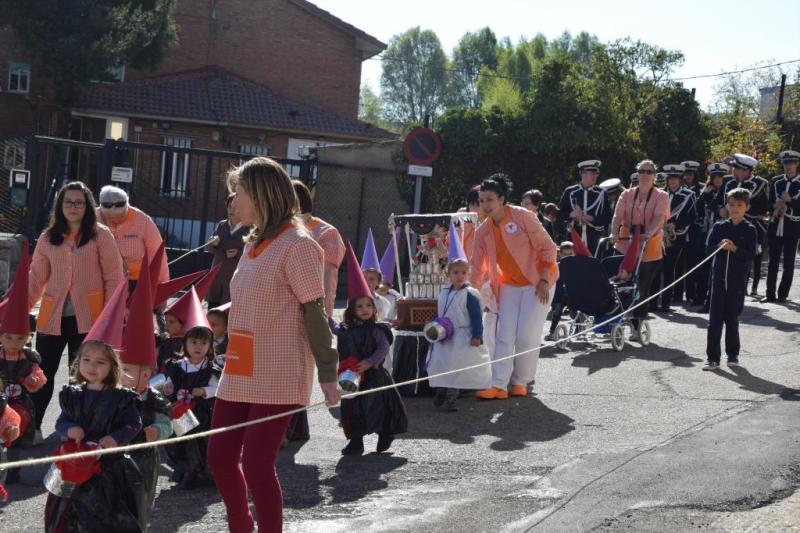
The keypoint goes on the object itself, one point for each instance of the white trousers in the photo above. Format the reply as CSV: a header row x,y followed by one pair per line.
x,y
521,319
490,331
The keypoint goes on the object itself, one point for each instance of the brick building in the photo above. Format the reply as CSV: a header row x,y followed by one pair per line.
x,y
262,78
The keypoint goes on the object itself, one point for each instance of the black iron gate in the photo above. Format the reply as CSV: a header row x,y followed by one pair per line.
x,y
182,189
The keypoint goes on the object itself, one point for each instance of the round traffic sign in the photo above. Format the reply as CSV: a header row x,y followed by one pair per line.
x,y
422,146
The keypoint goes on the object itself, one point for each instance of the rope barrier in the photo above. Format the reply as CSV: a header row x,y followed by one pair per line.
x,y
225,429
190,252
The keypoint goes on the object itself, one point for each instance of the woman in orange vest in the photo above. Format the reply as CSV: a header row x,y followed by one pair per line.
x,y
647,208
75,269
518,257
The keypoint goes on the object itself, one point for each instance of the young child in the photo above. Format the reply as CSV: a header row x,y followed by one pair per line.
x,y
462,305
138,366
170,345
192,381
9,432
372,273
565,249
730,269
19,365
95,408
385,289
218,320
363,343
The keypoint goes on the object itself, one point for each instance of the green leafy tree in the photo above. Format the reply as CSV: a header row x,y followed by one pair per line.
x,y
473,53
415,76
80,41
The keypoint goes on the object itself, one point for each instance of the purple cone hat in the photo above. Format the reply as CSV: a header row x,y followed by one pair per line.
x,y
456,250
388,261
369,261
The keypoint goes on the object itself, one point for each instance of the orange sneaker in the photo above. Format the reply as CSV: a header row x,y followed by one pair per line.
x,y
492,393
519,390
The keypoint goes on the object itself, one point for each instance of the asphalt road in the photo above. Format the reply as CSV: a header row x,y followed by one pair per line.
x,y
641,440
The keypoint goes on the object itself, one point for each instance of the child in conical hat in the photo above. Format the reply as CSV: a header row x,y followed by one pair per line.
x,y
192,383
371,267
461,305
363,343
139,364
20,374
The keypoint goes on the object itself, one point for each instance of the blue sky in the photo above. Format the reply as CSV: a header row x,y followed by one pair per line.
x,y
715,36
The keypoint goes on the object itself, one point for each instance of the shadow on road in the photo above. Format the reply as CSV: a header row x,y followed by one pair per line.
x,y
515,422
300,483
752,383
604,357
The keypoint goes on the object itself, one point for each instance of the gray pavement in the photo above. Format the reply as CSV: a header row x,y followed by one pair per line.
x,y
641,440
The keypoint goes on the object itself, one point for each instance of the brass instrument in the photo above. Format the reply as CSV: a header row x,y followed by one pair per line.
x,y
669,235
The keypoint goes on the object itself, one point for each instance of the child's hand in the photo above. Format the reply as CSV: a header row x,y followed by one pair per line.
x,y
31,380
107,442
728,245
197,392
11,433
363,366
169,389
76,433
474,342
150,434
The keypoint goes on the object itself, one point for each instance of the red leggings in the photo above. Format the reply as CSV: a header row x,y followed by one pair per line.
x,y
258,447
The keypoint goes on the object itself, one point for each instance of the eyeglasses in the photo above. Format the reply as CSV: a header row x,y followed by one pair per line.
x,y
111,205
76,203
646,171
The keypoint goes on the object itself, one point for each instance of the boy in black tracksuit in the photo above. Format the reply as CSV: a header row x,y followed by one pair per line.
x,y
729,277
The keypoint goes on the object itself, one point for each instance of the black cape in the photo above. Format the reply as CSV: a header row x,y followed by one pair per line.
x,y
20,370
113,500
147,459
380,412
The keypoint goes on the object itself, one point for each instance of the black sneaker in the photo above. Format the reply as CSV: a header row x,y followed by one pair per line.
x,y
733,361
439,397
451,404
384,442
177,476
711,365
770,298
354,447
13,476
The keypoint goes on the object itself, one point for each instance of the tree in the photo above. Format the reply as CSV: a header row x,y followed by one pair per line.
x,y
473,52
80,41
415,75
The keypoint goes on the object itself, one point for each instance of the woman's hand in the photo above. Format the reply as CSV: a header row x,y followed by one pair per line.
x,y
332,392
76,433
107,442
543,291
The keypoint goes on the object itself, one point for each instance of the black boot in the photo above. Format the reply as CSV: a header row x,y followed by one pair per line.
x,y
384,442
354,447
439,397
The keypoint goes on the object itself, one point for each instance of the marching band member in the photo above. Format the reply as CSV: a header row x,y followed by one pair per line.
x,y
743,177
707,208
695,243
682,215
784,228
586,205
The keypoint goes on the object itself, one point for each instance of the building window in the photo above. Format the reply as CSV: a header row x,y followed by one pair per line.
x,y
175,167
13,155
19,78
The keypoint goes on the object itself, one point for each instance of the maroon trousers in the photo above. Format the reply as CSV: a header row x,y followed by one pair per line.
x,y
258,447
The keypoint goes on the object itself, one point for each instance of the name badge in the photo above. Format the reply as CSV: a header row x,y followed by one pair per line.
x,y
14,390
511,228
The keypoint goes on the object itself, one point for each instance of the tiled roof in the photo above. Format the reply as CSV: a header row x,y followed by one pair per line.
x,y
216,96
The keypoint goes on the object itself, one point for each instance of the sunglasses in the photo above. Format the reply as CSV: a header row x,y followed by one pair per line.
x,y
646,171
111,205
76,203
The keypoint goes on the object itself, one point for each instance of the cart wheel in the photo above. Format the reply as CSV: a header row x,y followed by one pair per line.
x,y
617,337
644,332
561,334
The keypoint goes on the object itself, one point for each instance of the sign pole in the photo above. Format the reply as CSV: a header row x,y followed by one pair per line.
x,y
418,195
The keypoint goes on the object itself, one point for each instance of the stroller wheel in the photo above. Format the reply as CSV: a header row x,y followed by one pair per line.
x,y
644,332
617,337
561,333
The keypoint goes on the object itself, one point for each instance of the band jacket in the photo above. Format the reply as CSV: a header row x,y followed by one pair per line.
x,y
529,244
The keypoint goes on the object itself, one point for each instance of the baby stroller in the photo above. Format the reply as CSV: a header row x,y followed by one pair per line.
x,y
595,299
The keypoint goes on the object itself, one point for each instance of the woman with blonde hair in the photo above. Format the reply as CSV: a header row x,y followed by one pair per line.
x,y
277,330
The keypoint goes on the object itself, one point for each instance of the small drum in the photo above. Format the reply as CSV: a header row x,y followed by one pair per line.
x,y
183,418
349,380
439,329
157,382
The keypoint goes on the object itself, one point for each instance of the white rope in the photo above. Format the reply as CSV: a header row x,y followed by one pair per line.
x,y
190,252
216,431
